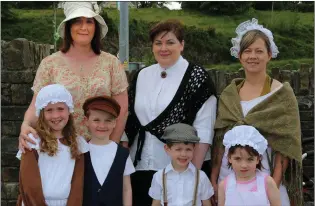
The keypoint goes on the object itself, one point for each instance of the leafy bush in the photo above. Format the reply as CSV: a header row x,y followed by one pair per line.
x,y
217,7
207,39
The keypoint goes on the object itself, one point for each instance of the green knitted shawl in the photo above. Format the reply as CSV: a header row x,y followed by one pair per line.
x,y
277,119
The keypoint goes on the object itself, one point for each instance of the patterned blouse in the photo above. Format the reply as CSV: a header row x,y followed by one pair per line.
x,y
106,78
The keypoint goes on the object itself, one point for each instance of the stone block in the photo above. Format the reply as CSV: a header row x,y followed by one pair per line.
x,y
307,125
308,133
31,46
17,56
9,144
304,80
8,202
221,81
10,191
275,73
6,100
10,174
5,88
21,94
10,128
9,159
306,103
13,112
311,78
212,75
308,170
241,72
230,76
307,116
6,94
285,76
295,82
17,77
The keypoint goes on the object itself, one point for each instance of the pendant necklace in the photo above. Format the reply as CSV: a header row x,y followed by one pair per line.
x,y
163,74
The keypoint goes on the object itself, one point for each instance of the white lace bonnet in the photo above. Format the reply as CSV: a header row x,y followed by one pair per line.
x,y
245,135
246,26
82,9
53,93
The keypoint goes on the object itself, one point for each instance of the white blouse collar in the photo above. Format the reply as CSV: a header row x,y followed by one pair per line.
x,y
180,63
190,167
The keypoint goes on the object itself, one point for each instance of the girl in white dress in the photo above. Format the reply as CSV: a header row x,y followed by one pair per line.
x,y
52,172
246,185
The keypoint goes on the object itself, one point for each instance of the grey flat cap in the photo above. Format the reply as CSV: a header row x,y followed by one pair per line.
x,y
180,133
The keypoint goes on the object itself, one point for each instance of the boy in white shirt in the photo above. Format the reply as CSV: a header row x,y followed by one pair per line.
x,y
107,165
180,183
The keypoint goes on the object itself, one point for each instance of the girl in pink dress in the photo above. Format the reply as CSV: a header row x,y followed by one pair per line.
x,y
246,185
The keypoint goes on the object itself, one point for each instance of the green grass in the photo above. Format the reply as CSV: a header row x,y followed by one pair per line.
x,y
294,64
293,32
222,24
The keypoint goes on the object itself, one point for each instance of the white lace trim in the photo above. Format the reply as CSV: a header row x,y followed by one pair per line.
x,y
245,135
248,26
53,93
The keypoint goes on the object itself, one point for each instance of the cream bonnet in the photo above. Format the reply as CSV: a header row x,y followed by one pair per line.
x,y
245,135
53,93
82,9
246,26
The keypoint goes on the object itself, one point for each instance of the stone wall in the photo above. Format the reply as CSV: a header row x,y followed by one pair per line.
x,y
19,61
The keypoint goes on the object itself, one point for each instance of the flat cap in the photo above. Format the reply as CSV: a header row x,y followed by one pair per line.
x,y
103,103
180,133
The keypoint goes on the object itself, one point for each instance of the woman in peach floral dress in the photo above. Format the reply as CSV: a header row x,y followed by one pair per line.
x,y
82,68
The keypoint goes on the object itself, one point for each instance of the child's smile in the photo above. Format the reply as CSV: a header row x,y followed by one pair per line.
x,y
57,116
181,155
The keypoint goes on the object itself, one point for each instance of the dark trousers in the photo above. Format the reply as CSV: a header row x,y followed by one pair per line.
x,y
141,183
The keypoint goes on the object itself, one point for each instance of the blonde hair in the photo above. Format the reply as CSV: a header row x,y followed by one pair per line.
x,y
49,142
250,37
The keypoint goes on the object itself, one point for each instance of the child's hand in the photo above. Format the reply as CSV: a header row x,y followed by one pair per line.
x,y
214,198
213,201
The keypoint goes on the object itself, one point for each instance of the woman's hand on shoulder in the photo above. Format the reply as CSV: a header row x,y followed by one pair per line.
x,y
24,138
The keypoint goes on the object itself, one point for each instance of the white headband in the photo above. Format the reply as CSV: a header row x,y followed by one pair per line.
x,y
53,93
245,135
246,26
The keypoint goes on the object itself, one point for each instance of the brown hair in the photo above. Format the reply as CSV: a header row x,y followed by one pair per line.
x,y
250,37
67,39
251,151
49,142
88,112
169,144
170,25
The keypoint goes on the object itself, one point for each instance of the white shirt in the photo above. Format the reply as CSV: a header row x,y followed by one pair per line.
x,y
102,158
152,97
180,186
56,171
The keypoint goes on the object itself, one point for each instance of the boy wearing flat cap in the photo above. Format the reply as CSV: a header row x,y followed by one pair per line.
x,y
107,165
180,183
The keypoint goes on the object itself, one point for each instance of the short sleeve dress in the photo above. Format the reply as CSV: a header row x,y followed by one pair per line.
x,y
106,78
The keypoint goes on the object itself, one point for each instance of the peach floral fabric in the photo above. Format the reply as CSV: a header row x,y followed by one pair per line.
x,y
106,78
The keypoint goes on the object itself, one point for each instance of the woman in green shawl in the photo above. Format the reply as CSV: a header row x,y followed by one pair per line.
x,y
266,104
